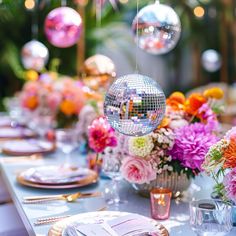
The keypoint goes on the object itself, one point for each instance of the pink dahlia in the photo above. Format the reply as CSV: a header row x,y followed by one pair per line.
x,y
192,143
137,170
230,185
101,135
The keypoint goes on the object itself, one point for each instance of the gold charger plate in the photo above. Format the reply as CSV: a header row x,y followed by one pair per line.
x,y
91,178
58,228
12,152
20,133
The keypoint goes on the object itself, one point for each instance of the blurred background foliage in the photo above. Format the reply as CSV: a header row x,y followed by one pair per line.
x,y
212,26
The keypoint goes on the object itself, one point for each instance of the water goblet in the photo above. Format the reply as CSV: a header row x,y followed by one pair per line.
x,y
111,168
66,140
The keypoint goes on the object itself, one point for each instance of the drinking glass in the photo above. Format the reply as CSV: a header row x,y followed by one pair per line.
x,y
66,141
111,167
210,217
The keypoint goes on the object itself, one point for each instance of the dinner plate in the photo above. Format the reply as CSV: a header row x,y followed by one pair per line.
x,y
16,133
27,147
60,228
5,121
54,177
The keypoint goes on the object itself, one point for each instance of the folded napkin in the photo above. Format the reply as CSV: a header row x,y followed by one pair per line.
x,y
128,225
57,174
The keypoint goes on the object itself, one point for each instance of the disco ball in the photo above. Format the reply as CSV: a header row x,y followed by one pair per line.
x,y
99,65
34,55
63,27
158,27
134,105
211,60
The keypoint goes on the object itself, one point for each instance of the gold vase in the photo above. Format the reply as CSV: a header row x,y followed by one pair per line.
x,y
177,183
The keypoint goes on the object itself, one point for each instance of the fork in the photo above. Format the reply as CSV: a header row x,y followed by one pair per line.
x,y
53,219
67,197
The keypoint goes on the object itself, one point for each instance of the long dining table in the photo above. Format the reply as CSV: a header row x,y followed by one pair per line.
x,y
177,224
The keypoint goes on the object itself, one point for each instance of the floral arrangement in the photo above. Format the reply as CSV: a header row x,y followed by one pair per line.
x,y
63,98
179,144
181,141
220,163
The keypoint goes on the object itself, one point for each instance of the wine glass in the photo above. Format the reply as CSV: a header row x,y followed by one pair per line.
x,y
210,217
66,141
111,167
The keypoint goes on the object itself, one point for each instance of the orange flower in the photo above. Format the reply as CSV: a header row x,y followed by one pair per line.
x,y
68,107
176,100
229,155
31,102
216,93
164,123
31,75
194,102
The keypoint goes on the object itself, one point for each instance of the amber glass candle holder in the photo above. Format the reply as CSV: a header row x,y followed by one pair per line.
x,y
160,203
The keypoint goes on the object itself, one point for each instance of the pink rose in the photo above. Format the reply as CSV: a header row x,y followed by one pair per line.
x,y
137,170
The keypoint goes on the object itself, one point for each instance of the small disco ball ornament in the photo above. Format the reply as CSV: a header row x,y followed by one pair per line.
x,y
34,55
63,27
135,105
211,60
157,28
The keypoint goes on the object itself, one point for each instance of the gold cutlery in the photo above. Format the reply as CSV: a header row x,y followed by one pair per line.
x,y
53,219
67,197
48,220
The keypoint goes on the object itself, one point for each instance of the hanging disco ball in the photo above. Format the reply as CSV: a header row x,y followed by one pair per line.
x,y
134,105
34,55
211,60
158,27
63,27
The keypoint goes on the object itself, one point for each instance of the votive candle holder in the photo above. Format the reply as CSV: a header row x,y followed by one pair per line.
x,y
160,203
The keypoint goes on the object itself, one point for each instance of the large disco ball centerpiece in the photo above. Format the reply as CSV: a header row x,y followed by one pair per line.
x,y
134,105
63,27
158,27
34,55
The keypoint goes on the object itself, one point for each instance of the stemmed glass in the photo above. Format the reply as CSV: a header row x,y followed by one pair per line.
x,y
210,217
66,141
111,167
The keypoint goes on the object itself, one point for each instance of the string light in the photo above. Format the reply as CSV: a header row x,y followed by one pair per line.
x,y
29,4
199,11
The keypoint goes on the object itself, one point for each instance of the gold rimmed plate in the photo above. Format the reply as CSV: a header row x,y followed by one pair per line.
x,y
59,228
16,133
33,178
25,147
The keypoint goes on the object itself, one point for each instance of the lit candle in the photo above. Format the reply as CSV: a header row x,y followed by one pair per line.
x,y
160,203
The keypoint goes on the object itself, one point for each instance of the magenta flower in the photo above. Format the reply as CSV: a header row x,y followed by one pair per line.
x,y
230,185
101,135
192,143
209,117
137,170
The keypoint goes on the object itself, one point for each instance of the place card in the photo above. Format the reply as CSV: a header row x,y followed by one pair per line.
x,y
124,225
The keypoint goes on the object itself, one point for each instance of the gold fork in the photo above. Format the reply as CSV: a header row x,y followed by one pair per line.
x,y
53,219
67,197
